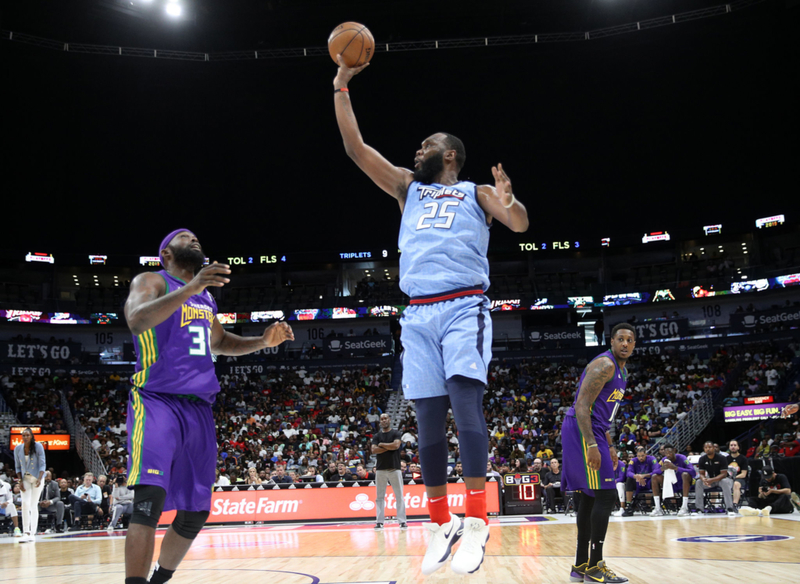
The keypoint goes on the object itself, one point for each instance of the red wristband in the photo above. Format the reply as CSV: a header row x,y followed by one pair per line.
x,y
341,89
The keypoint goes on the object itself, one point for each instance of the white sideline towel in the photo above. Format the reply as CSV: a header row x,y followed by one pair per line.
x,y
669,478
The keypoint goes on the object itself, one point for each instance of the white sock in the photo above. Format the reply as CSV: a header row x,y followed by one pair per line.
x,y
685,503
658,501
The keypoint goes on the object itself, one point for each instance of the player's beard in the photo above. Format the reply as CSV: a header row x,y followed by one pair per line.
x,y
189,259
429,169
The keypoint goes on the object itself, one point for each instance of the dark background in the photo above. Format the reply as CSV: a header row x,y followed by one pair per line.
x,y
670,128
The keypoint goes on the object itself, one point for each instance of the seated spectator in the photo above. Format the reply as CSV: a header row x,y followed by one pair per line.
x,y
552,485
50,502
329,472
7,506
363,474
121,501
281,476
87,499
311,476
544,453
491,471
738,465
341,474
790,446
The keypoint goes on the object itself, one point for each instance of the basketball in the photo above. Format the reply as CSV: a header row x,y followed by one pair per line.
x,y
353,41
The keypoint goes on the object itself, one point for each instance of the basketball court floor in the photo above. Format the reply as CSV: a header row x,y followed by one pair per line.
x,y
534,549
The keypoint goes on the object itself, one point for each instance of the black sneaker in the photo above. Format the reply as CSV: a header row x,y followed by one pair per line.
x,y
628,512
578,572
403,525
600,573
378,526
75,527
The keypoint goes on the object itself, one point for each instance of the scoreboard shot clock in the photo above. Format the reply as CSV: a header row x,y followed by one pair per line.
x,y
522,494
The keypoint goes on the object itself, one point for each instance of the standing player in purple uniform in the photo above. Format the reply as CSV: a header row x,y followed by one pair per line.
x,y
447,330
588,468
172,441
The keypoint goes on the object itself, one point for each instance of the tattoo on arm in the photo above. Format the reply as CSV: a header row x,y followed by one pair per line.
x,y
598,374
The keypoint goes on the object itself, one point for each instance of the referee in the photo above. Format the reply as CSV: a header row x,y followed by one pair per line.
x,y
386,445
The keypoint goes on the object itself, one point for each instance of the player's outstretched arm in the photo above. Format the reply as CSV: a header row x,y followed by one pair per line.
x,y
225,343
599,372
392,179
499,201
148,305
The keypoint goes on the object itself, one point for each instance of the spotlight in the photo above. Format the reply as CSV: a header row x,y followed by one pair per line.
x,y
173,8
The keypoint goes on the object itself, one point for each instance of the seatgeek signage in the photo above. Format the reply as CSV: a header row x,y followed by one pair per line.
x,y
748,321
357,346
306,504
555,338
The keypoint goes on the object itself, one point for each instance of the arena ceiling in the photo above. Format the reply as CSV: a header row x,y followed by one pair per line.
x,y
670,128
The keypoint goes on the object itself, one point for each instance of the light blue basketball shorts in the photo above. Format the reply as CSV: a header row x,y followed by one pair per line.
x,y
443,339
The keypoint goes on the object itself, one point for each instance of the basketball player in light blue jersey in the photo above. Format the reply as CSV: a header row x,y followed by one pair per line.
x,y
447,330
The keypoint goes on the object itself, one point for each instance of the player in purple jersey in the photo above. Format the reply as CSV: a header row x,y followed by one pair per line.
x,y
447,327
588,467
171,432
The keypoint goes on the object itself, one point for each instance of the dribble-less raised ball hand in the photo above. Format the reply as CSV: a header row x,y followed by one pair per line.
x,y
354,42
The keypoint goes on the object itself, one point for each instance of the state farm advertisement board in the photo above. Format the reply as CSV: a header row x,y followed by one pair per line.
x,y
48,441
332,503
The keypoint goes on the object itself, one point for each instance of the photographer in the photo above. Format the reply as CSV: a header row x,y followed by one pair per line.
x,y
773,495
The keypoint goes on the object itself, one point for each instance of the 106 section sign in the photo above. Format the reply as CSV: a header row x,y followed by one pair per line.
x,y
332,503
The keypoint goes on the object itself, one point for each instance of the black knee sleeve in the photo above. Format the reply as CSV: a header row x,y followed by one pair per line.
x,y
148,503
433,451
603,505
189,523
466,399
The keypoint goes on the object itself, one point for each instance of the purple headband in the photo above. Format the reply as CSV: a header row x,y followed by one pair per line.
x,y
168,238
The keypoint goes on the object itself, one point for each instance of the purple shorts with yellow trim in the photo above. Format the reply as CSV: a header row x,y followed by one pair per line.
x,y
577,474
172,444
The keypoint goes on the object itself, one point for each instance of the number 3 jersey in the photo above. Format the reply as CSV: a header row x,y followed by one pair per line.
x,y
175,356
443,239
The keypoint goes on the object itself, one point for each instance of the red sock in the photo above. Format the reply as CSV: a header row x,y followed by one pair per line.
x,y
439,510
476,504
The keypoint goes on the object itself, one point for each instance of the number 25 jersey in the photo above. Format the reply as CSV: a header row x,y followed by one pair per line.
x,y
443,239
175,356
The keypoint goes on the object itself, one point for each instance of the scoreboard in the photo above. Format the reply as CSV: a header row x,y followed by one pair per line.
x,y
522,494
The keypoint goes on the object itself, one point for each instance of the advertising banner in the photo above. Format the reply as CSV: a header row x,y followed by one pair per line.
x,y
316,504
660,329
336,347
752,413
555,338
48,441
36,352
741,322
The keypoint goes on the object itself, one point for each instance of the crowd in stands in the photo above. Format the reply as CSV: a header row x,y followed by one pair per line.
x,y
293,425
